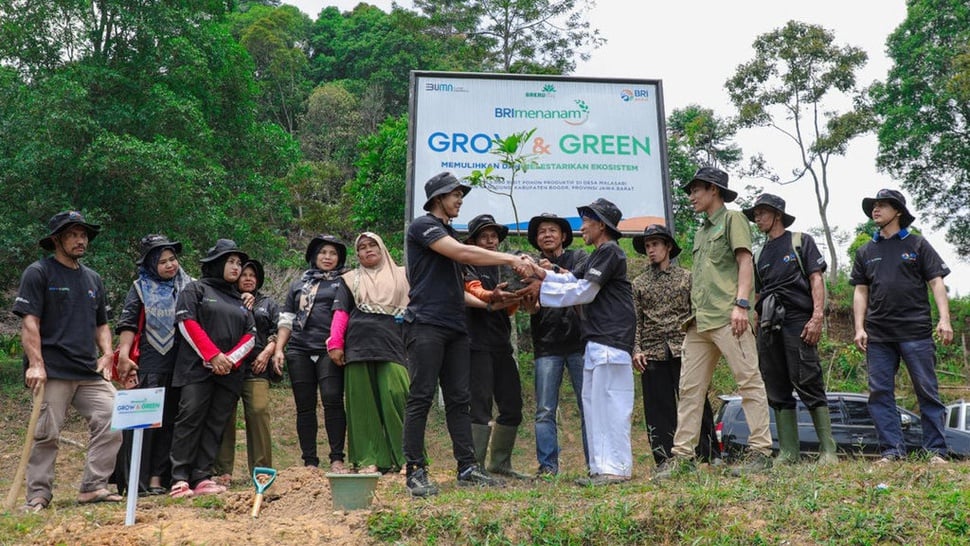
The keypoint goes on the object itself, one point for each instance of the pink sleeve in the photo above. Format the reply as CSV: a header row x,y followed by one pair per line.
x,y
338,329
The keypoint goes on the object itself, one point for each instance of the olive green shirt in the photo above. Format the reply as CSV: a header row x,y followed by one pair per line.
x,y
715,271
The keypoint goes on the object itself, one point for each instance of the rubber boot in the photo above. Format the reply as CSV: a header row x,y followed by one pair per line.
x,y
480,435
500,452
786,421
827,453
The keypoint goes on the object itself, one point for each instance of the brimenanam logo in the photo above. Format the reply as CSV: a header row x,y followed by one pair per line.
x,y
571,116
442,87
634,95
548,90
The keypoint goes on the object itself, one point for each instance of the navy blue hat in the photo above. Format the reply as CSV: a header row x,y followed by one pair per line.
x,y
606,212
440,184
483,221
715,176
536,221
222,248
770,201
313,248
154,241
656,230
61,221
896,199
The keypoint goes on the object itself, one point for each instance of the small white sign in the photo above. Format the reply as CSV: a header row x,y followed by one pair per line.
x,y
138,408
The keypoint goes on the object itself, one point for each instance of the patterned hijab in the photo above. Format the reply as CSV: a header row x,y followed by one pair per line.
x,y
158,298
381,289
311,282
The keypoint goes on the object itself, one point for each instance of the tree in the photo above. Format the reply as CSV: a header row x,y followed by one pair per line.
x,y
511,155
520,36
789,86
924,107
695,138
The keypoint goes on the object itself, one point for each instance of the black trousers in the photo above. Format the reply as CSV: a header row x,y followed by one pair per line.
x,y
494,376
205,408
661,386
789,364
437,354
307,377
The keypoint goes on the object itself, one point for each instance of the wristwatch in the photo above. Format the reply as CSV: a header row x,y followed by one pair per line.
x,y
742,303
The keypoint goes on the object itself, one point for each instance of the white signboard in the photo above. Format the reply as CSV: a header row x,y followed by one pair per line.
x,y
593,138
138,408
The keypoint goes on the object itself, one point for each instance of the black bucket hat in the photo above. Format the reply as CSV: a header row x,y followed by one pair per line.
x,y
260,271
536,221
656,230
715,176
606,212
893,197
154,241
222,248
313,248
61,221
770,201
483,221
441,184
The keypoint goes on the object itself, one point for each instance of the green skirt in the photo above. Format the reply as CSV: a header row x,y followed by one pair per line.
x,y
377,393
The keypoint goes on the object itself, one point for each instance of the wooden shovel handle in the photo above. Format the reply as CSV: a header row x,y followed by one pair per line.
x,y
18,479
257,504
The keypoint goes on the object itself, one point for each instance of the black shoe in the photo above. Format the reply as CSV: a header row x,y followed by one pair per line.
x,y
546,473
419,484
475,475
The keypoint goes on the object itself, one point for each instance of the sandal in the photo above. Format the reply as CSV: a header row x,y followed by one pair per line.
x,y
181,490
337,467
35,505
208,487
369,469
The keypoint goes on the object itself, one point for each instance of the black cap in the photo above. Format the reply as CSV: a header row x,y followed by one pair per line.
x,y
536,221
483,221
313,248
60,221
152,241
606,212
441,184
715,176
893,197
221,248
656,230
770,201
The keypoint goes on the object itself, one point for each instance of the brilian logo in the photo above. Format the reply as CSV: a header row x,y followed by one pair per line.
x,y
548,90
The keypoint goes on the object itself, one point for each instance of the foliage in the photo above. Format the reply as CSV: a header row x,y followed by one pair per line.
x,y
511,155
787,86
520,36
924,105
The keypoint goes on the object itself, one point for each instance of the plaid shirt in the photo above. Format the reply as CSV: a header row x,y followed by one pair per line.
x,y
662,301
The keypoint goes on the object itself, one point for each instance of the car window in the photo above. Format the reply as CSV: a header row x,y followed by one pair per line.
x,y
954,421
856,412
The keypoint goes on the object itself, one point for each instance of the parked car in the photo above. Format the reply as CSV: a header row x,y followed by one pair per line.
x,y
852,428
958,415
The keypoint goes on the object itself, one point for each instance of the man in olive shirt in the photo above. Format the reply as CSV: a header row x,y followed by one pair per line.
x,y
723,279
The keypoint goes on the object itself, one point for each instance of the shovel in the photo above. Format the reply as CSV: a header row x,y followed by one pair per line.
x,y
262,478
18,480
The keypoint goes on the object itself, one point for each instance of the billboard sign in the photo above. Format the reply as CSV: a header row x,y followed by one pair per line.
x,y
593,138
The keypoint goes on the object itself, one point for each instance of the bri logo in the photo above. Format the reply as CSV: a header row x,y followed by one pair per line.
x,y
909,256
634,95
788,258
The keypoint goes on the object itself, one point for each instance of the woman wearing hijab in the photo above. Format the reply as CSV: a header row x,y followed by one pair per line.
x,y
366,337
218,332
304,327
150,306
258,371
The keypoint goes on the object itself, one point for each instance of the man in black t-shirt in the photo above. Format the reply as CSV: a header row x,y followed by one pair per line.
x,y
892,322
65,324
608,325
436,336
790,302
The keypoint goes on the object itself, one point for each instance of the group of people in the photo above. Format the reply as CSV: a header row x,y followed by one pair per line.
x,y
378,340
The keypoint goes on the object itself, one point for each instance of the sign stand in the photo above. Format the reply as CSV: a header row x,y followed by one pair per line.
x,y
137,410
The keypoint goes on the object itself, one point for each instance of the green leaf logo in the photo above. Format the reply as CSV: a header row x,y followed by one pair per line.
x,y
548,88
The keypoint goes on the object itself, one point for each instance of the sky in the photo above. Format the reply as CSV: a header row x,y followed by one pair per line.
x,y
694,46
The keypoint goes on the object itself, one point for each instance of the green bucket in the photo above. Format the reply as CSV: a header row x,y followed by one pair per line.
x,y
352,491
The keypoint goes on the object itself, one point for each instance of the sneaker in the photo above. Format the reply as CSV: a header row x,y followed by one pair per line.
x,y
754,463
674,467
602,479
546,473
419,484
475,475
937,460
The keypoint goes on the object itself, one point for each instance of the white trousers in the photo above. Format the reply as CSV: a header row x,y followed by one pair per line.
x,y
608,409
